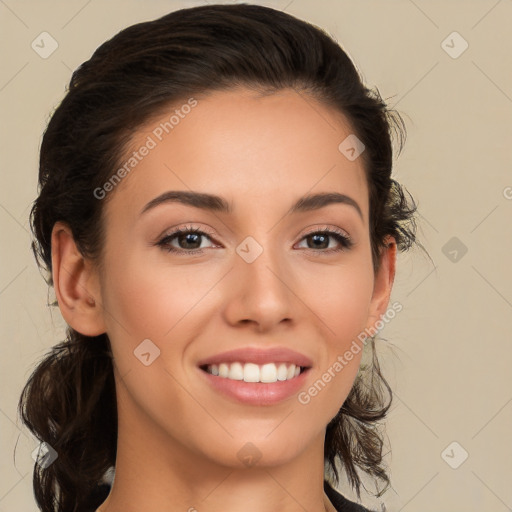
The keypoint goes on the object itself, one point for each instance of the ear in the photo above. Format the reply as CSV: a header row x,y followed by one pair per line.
x,y
76,284
383,283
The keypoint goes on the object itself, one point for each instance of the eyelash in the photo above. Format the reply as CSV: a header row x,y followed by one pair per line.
x,y
342,238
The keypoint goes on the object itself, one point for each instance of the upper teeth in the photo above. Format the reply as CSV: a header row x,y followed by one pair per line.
x,y
250,372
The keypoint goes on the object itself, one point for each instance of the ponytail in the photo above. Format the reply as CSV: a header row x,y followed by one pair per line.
x,y
69,403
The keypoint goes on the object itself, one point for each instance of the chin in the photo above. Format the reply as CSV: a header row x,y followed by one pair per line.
x,y
258,450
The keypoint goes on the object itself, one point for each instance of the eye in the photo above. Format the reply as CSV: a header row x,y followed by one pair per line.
x,y
319,238
188,238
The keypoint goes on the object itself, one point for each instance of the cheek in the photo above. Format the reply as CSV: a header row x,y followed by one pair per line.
x,y
146,302
340,299
340,296
144,299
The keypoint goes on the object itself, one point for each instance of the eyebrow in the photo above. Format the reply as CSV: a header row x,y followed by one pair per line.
x,y
216,203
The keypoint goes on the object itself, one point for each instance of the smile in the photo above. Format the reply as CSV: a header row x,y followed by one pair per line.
x,y
252,372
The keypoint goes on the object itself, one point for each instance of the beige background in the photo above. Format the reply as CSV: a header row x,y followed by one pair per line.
x,y
450,365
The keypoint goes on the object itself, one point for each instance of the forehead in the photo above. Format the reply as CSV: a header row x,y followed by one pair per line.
x,y
256,150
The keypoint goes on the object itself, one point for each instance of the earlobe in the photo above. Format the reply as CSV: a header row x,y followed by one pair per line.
x,y
76,284
383,283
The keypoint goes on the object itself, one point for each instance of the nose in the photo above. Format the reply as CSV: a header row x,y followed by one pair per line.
x,y
260,293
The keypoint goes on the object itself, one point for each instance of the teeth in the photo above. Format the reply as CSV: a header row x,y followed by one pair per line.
x,y
236,372
268,373
223,370
282,372
250,372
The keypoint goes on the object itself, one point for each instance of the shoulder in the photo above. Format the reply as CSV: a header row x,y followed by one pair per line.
x,y
341,503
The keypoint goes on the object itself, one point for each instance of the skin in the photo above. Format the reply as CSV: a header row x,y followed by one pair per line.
x,y
178,438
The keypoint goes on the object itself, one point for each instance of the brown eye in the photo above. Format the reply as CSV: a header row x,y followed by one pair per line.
x,y
188,239
320,240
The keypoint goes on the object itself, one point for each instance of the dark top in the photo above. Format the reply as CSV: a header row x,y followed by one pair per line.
x,y
341,504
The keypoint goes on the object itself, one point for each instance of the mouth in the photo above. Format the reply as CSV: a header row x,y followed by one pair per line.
x,y
253,372
256,376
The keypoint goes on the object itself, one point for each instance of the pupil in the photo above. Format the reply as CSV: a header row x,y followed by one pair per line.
x,y
315,237
191,235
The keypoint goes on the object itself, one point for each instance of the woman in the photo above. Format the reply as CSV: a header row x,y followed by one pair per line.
x,y
225,374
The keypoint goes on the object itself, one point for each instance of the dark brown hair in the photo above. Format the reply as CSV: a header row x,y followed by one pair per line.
x,y
69,400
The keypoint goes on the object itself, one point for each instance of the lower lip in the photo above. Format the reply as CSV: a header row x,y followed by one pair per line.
x,y
256,393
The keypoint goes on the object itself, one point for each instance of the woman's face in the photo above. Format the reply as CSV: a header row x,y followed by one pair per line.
x,y
257,278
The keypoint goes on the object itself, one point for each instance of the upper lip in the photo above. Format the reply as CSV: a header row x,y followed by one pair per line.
x,y
259,356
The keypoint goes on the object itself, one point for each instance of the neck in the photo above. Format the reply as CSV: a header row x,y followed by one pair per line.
x,y
155,472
